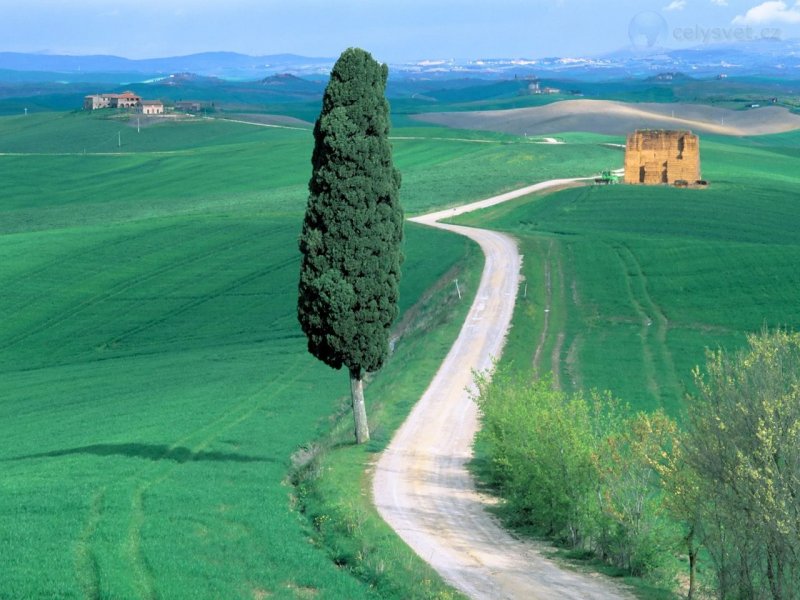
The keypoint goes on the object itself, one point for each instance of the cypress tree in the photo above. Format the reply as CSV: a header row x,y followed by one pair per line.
x,y
353,228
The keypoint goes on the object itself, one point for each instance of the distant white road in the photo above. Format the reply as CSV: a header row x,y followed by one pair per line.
x,y
258,124
422,487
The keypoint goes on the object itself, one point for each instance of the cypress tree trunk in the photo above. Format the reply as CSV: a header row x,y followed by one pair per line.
x,y
359,408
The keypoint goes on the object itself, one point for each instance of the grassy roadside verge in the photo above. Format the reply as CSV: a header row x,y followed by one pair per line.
x,y
651,277
536,347
332,477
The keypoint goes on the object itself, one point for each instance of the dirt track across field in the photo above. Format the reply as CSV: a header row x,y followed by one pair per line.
x,y
422,487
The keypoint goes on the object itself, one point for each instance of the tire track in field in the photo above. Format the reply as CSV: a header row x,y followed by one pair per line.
x,y
446,139
108,293
661,321
183,308
70,257
548,300
86,568
309,129
128,153
241,413
555,357
552,259
646,321
554,256
572,364
131,556
124,286
650,314
572,361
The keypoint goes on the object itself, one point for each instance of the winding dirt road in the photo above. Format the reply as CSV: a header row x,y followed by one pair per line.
x,y
422,487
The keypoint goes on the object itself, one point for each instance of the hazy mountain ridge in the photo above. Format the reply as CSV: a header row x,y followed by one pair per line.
x,y
762,57
226,65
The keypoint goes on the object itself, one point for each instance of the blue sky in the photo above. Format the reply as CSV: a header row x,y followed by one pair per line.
x,y
396,31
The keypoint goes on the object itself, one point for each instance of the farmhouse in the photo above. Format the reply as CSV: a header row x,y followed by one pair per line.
x,y
536,88
96,102
126,100
151,107
654,157
189,106
123,100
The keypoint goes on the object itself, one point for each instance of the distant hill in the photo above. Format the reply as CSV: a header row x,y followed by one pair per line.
x,y
766,57
228,65
769,58
619,118
763,73
297,85
668,77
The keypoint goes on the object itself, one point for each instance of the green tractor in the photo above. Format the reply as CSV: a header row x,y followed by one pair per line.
x,y
606,178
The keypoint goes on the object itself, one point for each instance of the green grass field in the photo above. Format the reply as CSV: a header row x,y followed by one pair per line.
x,y
158,171
154,379
151,401
155,383
627,285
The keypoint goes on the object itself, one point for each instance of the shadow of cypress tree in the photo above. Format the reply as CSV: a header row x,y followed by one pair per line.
x,y
154,452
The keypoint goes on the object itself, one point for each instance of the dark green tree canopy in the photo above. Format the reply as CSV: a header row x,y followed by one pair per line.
x,y
353,228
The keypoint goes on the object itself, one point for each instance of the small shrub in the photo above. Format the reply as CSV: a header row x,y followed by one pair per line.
x,y
578,470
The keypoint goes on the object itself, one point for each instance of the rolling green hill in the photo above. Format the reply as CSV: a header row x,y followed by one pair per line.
x,y
628,284
300,97
154,381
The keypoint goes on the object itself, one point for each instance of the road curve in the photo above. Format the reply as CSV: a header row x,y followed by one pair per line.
x,y
422,488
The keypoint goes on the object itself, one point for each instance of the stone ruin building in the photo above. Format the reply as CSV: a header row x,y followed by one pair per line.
x,y
658,156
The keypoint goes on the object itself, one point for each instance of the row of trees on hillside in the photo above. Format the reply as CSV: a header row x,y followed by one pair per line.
x,y
638,492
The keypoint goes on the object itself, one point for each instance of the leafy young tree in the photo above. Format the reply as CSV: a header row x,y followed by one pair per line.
x,y
541,442
743,444
684,502
635,535
353,228
577,468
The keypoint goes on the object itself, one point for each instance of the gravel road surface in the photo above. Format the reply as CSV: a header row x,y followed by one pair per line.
x,y
422,487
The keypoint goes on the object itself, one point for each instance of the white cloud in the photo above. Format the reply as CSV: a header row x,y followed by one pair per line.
x,y
774,11
720,2
676,5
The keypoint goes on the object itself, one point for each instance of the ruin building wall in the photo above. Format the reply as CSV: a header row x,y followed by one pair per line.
x,y
658,156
